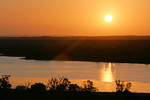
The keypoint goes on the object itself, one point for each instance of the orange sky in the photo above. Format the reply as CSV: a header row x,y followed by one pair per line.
x,y
74,17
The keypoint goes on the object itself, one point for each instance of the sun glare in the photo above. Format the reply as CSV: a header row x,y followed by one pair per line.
x,y
108,18
107,74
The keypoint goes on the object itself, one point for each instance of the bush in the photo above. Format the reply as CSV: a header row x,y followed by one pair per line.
x,y
4,82
121,87
38,87
88,86
60,84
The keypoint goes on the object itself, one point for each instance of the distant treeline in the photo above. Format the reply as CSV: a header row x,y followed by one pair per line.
x,y
83,37
129,49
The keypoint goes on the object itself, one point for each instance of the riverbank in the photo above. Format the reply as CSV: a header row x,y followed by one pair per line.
x,y
96,49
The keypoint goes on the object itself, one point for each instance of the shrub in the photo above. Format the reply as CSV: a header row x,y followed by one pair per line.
x,y
74,87
88,86
60,84
4,82
121,87
38,87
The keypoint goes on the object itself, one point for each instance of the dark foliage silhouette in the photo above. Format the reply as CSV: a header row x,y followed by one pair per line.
x,y
128,86
52,84
63,84
74,87
121,87
4,82
60,84
64,90
28,85
88,86
38,87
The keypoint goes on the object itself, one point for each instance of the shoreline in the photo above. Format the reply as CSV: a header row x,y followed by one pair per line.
x,y
78,49
97,61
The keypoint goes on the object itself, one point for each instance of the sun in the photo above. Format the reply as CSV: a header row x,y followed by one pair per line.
x,y
108,18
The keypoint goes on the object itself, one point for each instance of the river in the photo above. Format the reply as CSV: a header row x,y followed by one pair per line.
x,y
102,74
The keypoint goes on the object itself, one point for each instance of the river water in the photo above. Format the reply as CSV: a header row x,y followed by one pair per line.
x,y
102,74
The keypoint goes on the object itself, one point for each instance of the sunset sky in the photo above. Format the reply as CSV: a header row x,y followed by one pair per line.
x,y
74,17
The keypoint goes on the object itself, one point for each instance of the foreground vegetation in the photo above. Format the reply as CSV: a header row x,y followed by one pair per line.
x,y
58,89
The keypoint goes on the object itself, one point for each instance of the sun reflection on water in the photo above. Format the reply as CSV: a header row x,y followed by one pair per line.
x,y
107,74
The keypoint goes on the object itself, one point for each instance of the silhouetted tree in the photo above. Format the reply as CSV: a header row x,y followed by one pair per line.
x,y
74,87
60,84
121,87
28,85
128,86
4,82
64,84
88,86
52,84
38,87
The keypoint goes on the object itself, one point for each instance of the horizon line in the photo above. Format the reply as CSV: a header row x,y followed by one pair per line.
x,y
84,36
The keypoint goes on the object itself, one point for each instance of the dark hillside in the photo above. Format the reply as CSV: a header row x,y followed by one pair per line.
x,y
128,50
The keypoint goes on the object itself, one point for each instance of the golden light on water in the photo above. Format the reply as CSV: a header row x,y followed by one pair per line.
x,y
108,18
107,75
